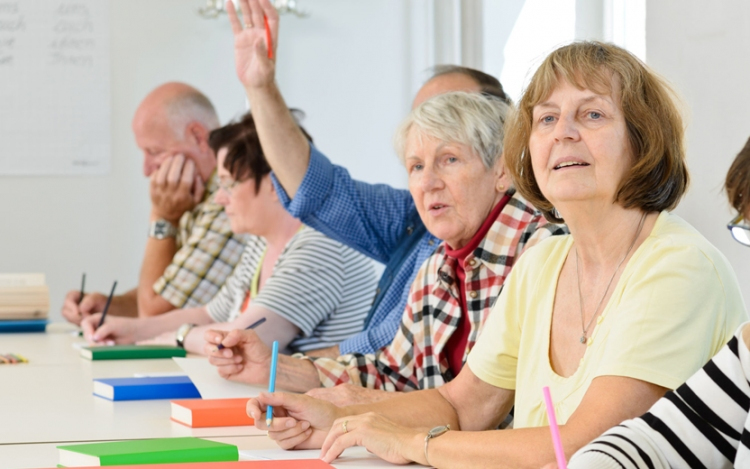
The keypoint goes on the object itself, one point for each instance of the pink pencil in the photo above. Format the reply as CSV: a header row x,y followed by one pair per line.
x,y
556,441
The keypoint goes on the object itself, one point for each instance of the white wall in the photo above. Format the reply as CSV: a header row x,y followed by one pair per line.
x,y
702,49
346,66
352,67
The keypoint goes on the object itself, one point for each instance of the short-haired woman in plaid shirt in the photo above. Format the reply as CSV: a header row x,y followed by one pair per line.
x,y
451,147
628,306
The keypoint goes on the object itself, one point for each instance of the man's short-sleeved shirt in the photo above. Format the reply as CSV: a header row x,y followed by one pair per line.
x,y
207,252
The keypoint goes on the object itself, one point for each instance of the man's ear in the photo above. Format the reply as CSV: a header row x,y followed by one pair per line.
x,y
197,134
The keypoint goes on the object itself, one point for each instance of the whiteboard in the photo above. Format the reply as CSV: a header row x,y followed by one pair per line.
x,y
54,87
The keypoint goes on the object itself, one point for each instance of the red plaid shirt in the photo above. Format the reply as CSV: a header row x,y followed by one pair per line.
x,y
416,358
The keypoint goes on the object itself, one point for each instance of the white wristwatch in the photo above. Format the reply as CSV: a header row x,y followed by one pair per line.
x,y
182,332
162,229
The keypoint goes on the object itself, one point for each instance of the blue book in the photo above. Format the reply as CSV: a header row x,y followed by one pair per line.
x,y
135,389
28,325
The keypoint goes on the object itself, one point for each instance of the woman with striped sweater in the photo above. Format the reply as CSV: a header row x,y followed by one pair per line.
x,y
704,422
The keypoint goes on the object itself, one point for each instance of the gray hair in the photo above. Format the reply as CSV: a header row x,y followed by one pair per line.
x,y
471,119
189,107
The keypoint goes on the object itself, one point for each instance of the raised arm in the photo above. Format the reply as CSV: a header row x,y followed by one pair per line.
x,y
285,147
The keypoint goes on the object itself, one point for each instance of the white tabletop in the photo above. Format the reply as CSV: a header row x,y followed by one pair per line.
x,y
45,455
49,401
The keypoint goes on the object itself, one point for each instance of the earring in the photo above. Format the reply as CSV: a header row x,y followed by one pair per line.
x,y
501,188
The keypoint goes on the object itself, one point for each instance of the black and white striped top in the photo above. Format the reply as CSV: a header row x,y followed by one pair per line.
x,y
702,424
318,284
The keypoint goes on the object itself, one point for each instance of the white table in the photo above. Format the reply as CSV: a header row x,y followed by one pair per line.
x,y
45,455
49,401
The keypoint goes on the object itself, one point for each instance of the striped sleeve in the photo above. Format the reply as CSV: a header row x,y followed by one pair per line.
x,y
702,424
225,306
322,287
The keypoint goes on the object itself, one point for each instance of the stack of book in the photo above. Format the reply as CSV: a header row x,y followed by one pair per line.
x,y
24,303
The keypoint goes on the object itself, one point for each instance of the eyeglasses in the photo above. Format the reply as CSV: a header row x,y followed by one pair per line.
x,y
228,186
740,231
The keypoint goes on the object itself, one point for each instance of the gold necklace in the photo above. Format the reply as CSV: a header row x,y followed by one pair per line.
x,y
585,328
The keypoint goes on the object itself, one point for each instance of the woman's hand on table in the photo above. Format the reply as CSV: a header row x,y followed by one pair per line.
x,y
382,437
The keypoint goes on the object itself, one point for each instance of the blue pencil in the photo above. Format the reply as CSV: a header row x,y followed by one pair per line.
x,y
272,380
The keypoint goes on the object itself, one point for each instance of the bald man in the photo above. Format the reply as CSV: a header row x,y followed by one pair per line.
x,y
190,249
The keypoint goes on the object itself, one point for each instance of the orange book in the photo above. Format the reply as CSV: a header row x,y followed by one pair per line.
x,y
197,413
293,464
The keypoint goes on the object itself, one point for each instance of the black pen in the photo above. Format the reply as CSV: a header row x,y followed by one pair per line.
x,y
251,326
80,298
83,285
106,306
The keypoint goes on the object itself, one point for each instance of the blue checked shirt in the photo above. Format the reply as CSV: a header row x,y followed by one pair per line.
x,y
378,221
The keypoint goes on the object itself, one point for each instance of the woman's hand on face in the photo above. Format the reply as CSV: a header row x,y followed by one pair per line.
x,y
254,67
376,433
244,358
299,421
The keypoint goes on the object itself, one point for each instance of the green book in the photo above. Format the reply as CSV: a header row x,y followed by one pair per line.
x,y
125,352
160,450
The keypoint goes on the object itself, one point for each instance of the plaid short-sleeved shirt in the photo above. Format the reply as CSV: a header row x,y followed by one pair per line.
x,y
207,253
416,358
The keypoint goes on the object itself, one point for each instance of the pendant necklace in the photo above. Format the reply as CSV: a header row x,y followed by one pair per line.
x,y
585,328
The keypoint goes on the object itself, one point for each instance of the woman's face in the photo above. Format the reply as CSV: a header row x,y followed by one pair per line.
x,y
579,146
245,208
452,189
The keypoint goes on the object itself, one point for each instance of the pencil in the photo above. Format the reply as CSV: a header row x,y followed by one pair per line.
x,y
251,326
272,380
553,428
106,305
269,42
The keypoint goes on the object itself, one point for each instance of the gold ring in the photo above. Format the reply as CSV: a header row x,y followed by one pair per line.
x,y
345,429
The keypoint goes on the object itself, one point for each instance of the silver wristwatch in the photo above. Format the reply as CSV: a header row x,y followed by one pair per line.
x,y
434,433
182,332
161,229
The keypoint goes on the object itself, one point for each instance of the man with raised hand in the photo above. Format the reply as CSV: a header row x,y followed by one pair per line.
x,y
190,249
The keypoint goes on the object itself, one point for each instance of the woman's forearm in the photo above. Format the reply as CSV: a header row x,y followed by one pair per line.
x,y
296,374
416,409
521,448
171,321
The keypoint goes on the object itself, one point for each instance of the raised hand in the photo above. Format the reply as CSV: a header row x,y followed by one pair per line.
x,y
254,67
